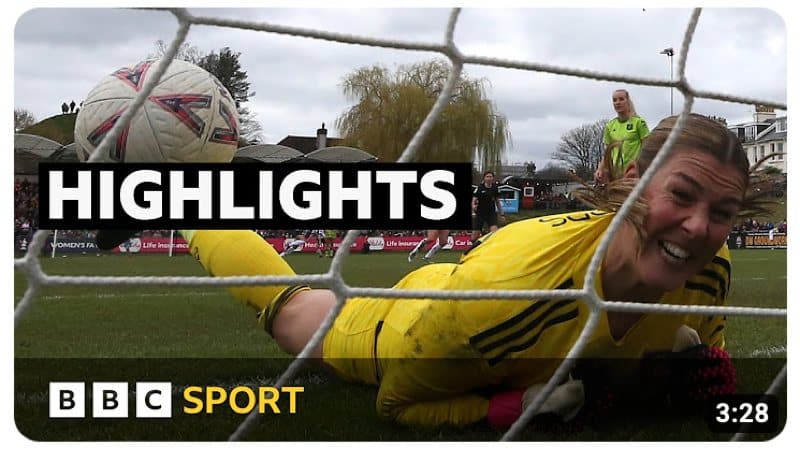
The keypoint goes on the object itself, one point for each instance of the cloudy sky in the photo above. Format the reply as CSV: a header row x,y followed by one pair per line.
x,y
60,54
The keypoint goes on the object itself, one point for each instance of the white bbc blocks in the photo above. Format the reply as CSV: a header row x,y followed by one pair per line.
x,y
67,399
110,399
154,399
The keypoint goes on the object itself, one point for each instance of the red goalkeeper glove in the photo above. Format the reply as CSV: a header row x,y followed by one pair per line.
x,y
692,374
666,382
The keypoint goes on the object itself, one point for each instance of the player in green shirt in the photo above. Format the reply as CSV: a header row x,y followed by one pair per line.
x,y
623,137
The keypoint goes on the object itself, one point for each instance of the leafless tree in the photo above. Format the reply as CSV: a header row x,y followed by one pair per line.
x,y
186,52
554,171
581,149
23,119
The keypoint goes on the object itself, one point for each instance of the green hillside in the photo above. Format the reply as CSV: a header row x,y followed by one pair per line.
x,y
59,128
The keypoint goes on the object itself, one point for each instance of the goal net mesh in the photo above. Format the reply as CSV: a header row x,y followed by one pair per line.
x,y
36,278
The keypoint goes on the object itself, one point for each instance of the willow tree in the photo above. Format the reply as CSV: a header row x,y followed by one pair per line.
x,y
389,109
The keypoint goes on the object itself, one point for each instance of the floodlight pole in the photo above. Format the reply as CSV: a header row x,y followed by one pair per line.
x,y
670,52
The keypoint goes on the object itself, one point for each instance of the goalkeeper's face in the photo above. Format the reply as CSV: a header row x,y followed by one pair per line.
x,y
693,201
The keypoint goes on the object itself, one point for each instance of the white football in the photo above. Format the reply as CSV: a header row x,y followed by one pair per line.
x,y
188,117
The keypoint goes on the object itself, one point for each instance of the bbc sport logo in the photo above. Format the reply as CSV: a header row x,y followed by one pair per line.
x,y
110,400
155,399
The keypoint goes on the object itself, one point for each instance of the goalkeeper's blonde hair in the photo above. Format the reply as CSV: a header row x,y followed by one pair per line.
x,y
698,133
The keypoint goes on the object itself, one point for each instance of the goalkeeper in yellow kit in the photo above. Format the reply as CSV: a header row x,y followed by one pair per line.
x,y
432,358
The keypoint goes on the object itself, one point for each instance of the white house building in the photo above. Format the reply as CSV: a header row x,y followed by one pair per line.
x,y
765,135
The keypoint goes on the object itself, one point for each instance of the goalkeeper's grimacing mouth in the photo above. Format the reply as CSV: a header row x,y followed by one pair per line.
x,y
674,251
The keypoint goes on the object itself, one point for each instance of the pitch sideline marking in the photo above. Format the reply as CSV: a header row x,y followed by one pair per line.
x,y
768,351
144,295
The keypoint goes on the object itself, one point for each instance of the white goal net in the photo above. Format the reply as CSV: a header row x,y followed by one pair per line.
x,y
448,48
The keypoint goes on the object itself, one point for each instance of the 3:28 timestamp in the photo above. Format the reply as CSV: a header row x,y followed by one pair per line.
x,y
743,414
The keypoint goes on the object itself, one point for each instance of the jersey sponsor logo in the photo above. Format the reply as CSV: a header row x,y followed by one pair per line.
x,y
560,220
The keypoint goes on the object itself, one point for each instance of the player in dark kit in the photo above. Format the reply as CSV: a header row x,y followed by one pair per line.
x,y
486,206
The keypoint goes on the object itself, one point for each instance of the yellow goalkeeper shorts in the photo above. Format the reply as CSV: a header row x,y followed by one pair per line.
x,y
349,347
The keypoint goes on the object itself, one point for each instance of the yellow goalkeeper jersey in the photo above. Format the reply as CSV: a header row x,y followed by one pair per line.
x,y
428,355
554,253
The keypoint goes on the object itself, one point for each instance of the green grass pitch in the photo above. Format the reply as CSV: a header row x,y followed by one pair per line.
x,y
204,328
